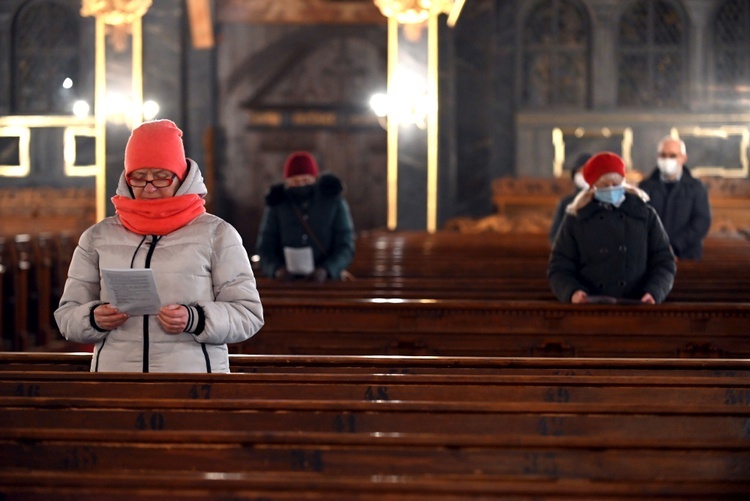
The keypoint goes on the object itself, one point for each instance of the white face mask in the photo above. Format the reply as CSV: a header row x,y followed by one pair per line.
x,y
580,183
667,166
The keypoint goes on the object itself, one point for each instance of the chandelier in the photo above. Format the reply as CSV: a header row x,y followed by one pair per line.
x,y
117,15
413,11
115,12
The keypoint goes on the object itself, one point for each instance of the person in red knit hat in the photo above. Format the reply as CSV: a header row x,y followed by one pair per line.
x,y
306,231
611,245
206,288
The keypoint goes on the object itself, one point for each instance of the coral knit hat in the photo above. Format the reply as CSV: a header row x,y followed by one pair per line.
x,y
299,163
157,145
601,164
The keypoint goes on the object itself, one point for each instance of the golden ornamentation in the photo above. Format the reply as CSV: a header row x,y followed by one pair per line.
x,y
115,12
413,11
118,16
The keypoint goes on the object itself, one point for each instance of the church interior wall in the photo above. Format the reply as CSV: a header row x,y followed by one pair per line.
x,y
218,95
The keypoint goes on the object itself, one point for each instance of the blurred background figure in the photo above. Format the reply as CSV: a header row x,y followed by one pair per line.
x,y
306,231
680,199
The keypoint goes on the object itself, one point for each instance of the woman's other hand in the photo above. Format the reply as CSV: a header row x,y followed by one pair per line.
x,y
108,317
173,318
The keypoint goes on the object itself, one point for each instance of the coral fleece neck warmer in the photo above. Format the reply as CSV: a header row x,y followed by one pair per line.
x,y
158,217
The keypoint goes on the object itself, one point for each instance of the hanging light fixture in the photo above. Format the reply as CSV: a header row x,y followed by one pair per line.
x,y
115,12
417,11
117,15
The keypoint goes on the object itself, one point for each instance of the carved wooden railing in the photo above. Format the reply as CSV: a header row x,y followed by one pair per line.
x,y
527,205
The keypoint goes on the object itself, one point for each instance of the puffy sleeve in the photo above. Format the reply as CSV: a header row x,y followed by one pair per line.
x,y
82,293
565,261
236,313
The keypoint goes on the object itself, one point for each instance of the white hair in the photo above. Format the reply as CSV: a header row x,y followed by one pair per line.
x,y
683,149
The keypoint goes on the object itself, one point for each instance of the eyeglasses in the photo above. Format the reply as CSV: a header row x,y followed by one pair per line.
x,y
668,155
156,183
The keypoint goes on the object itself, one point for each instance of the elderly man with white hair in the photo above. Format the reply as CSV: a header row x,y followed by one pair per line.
x,y
680,199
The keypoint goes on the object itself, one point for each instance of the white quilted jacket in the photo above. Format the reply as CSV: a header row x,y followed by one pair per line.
x,y
201,264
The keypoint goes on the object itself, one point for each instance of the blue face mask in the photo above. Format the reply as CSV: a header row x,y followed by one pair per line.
x,y
611,195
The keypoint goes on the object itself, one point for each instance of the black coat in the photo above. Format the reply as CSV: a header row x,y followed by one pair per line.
x,y
684,211
605,250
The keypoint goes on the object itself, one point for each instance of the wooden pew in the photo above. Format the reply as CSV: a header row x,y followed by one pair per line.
x,y
500,266
381,247
157,486
418,245
499,328
43,293
618,422
645,391
617,445
34,268
39,361
492,442
21,261
402,443
390,265
395,364
4,289
536,288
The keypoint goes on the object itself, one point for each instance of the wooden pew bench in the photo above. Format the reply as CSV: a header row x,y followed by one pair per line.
x,y
642,390
448,246
406,265
42,361
440,244
499,328
509,432
411,288
33,271
499,266
467,441
288,486
394,364
365,438
686,289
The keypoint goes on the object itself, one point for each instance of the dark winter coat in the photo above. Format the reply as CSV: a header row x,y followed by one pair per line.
x,y
327,214
605,250
684,211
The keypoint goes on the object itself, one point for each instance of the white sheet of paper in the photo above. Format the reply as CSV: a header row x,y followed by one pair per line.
x,y
132,290
299,260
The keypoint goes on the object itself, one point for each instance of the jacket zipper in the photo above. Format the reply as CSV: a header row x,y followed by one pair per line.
x,y
151,249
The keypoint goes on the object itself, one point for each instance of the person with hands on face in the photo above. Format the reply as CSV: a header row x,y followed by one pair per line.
x,y
611,242
306,212
202,271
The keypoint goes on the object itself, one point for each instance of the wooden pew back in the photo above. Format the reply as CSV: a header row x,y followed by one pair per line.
x,y
504,433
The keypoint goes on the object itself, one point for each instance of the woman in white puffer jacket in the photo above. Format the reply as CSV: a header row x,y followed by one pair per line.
x,y
203,275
